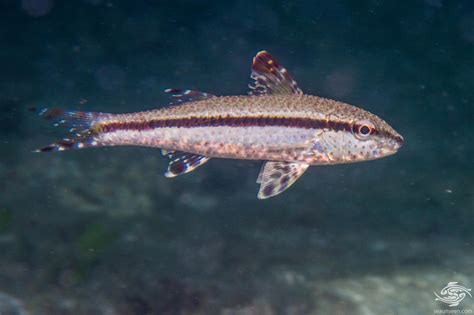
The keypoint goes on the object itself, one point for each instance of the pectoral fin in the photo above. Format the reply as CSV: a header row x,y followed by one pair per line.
x,y
260,174
276,177
182,162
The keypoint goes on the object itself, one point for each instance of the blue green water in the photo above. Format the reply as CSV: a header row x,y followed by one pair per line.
x,y
102,231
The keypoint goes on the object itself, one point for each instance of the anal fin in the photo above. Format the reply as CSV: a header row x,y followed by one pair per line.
x,y
276,177
182,162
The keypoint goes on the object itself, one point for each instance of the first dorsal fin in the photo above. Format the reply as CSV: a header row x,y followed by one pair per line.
x,y
182,162
182,96
269,77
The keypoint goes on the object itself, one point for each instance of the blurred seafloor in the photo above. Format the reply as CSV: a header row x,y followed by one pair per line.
x,y
103,232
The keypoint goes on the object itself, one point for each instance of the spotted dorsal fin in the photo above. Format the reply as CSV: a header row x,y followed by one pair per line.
x,y
276,177
182,96
269,77
182,162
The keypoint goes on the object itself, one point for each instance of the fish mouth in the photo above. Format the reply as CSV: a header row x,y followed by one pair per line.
x,y
399,141
393,145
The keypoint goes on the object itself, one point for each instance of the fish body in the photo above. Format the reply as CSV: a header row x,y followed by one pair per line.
x,y
275,123
288,128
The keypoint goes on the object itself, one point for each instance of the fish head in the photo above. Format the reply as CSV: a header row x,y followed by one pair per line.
x,y
358,136
374,138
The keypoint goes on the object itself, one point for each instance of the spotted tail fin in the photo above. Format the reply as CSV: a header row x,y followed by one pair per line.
x,y
83,126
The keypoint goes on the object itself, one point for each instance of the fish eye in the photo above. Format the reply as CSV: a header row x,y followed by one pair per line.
x,y
363,129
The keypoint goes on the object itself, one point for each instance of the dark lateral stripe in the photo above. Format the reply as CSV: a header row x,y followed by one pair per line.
x,y
306,123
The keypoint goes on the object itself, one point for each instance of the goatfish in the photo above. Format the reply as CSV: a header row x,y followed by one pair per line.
x,y
276,123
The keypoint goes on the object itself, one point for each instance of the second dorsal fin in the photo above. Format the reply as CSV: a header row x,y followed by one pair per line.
x,y
182,96
269,77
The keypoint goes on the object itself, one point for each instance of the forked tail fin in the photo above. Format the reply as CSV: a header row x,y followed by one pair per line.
x,y
83,126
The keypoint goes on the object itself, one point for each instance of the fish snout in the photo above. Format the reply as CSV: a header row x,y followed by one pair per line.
x,y
392,143
399,141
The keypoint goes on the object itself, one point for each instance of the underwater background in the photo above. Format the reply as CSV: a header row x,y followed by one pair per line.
x,y
102,231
